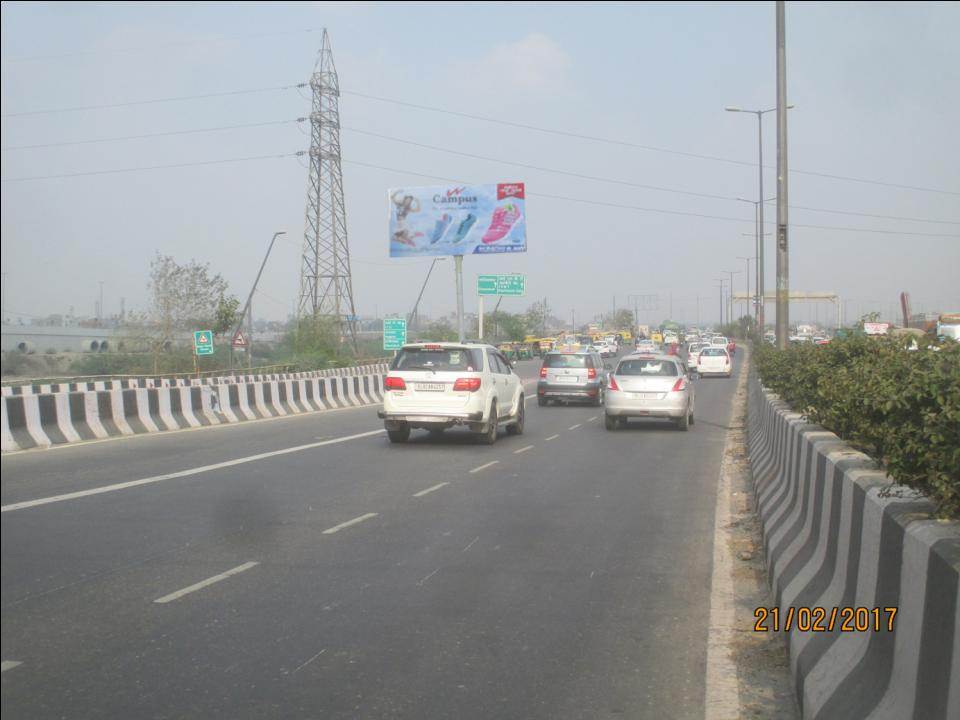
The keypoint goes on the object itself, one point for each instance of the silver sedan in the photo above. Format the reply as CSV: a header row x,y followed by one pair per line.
x,y
656,386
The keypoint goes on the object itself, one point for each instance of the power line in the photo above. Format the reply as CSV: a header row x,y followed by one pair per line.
x,y
626,182
170,133
655,210
149,48
149,167
625,143
151,101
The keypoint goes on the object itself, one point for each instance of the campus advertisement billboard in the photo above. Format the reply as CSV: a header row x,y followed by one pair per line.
x,y
457,220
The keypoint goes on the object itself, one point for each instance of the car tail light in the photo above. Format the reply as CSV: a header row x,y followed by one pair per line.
x,y
467,384
591,373
613,384
543,372
679,385
432,347
394,383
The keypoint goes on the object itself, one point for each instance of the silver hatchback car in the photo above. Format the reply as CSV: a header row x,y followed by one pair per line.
x,y
656,386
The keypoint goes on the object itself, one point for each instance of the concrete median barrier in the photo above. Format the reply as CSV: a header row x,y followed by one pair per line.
x,y
838,534
46,415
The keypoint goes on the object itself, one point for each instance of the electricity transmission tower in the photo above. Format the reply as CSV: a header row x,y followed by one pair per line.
x,y
326,287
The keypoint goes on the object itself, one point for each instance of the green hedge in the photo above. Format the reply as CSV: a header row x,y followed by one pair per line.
x,y
899,406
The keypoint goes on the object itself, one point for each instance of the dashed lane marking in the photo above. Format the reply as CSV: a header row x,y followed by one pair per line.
x,y
523,449
9,665
348,523
552,437
205,583
574,427
430,489
484,466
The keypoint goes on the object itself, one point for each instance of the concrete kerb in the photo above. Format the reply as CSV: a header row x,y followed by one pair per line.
x,y
837,533
37,420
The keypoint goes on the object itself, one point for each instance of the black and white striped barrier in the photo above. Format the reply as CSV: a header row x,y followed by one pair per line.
x,y
151,382
34,420
836,535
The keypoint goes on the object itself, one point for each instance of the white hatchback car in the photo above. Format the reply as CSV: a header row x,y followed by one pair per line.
x,y
436,386
656,386
714,360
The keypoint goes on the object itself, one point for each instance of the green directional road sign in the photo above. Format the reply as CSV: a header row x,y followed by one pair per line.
x,y
394,333
203,342
509,285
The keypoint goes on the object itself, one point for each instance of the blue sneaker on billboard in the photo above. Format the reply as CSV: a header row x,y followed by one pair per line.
x,y
465,226
441,228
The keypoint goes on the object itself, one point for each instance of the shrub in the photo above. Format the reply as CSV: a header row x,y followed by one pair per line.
x,y
900,406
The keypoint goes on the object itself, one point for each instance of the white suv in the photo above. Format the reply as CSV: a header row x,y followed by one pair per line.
x,y
435,386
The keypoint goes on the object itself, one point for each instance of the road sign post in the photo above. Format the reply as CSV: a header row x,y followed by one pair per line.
x,y
394,333
502,285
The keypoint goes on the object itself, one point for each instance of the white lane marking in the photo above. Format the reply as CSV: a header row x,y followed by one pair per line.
x,y
181,473
552,437
430,489
348,523
593,418
722,688
523,449
422,581
204,583
9,665
574,427
484,467
471,544
309,661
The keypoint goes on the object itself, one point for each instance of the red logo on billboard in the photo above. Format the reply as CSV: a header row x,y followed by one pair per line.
x,y
508,190
455,192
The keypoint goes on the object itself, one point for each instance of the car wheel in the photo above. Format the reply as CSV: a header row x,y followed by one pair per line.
x,y
598,400
684,422
400,435
489,434
516,428
692,421
542,401
610,422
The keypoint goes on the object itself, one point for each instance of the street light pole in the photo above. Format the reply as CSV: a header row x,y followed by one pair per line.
x,y
747,262
721,281
783,258
247,308
761,285
731,273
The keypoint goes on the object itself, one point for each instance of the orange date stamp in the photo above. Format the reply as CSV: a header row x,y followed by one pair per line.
x,y
819,619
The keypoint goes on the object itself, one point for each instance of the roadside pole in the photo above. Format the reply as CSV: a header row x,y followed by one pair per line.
x,y
458,271
480,317
783,258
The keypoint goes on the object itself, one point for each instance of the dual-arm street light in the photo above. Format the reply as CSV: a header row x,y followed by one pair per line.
x,y
747,261
721,281
759,114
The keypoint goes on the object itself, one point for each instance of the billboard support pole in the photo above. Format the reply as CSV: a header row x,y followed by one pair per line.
x,y
458,271
480,317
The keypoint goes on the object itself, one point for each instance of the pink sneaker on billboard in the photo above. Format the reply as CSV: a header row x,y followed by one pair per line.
x,y
504,218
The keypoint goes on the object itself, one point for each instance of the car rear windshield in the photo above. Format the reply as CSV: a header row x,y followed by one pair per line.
x,y
557,360
648,366
711,351
439,359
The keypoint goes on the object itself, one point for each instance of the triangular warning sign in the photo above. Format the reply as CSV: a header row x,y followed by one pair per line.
x,y
239,341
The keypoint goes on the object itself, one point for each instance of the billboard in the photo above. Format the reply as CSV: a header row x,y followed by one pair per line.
x,y
457,220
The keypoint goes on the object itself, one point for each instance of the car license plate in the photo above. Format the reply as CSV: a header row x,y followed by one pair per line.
x,y
430,387
646,395
567,378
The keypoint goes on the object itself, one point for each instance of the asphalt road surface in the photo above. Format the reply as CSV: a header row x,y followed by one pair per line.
x,y
304,567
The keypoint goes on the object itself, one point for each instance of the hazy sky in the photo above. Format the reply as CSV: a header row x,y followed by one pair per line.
x,y
875,87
